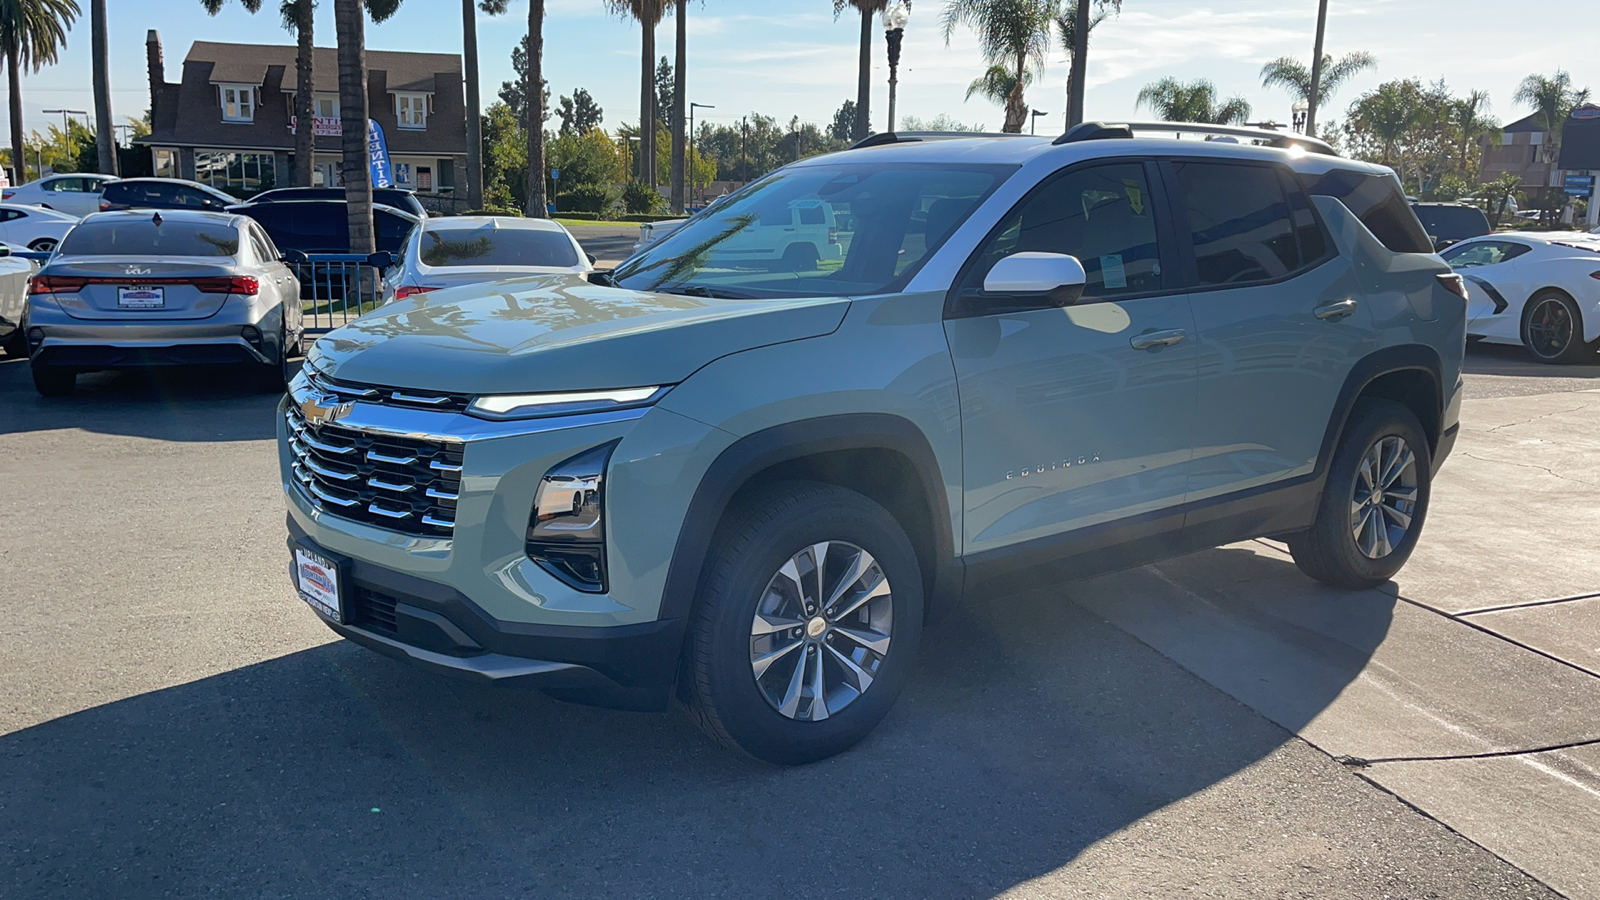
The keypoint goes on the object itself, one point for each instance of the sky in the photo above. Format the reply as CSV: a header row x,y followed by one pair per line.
x,y
787,58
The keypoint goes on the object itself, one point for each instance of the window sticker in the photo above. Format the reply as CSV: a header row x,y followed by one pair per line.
x,y
1112,273
1135,196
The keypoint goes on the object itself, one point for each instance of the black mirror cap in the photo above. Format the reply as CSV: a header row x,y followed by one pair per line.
x,y
295,257
383,259
592,258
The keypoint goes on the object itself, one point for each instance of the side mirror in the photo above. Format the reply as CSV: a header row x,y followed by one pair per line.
x,y
1053,279
295,257
592,258
383,259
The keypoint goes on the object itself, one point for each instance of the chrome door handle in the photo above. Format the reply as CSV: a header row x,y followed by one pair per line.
x,y
1335,310
1157,339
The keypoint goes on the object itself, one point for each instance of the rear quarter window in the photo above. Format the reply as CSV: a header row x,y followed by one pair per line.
x,y
1379,203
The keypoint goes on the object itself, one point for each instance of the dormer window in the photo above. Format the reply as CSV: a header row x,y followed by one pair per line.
x,y
238,102
411,110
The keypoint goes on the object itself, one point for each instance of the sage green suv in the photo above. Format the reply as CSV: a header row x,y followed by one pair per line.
x,y
753,485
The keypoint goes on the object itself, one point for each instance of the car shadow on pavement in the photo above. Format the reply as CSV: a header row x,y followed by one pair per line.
x,y
202,403
1031,730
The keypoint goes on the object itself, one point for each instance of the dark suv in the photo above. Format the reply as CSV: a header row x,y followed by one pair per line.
x,y
322,226
163,193
405,201
1451,223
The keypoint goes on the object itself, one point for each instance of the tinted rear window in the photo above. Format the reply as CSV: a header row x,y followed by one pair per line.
x,y
496,247
144,238
308,228
1239,223
1380,205
1453,223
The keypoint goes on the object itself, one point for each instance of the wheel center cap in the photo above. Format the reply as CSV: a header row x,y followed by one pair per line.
x,y
816,627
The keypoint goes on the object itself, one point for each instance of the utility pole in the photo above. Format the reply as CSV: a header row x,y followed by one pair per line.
x,y
66,129
744,148
1316,70
689,165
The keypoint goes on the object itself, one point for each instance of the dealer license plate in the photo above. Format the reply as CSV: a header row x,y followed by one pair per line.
x,y
317,579
141,298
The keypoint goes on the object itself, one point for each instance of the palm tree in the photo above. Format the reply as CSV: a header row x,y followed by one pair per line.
x,y
1389,113
105,136
32,33
868,9
1196,101
1078,73
1469,117
538,205
1013,33
469,45
350,24
1553,99
996,84
1293,76
649,14
1067,30
680,86
299,16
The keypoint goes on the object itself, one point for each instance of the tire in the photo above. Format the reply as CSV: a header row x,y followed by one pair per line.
x,y
799,258
273,377
43,245
16,343
773,716
1330,550
1552,330
51,381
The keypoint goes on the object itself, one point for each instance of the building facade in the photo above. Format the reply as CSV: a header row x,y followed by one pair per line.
x,y
229,122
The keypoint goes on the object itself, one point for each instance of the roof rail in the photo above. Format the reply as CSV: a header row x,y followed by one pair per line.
x,y
911,137
1093,131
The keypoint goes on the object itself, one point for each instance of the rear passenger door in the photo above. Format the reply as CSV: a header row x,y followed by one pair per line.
x,y
1280,324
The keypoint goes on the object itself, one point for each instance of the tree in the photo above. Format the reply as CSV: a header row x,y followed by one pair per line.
x,y
536,202
1196,101
1553,100
32,33
514,94
648,13
1389,115
101,73
863,107
350,24
941,122
1293,76
1011,33
1078,74
664,85
579,113
844,122
469,47
1498,193
1067,30
680,90
299,16
505,159
997,84
1470,118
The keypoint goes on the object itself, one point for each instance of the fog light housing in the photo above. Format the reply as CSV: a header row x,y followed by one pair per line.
x,y
35,337
251,334
566,530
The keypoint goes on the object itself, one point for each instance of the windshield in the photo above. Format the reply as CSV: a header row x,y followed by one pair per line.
x,y
121,237
816,231
1453,223
487,245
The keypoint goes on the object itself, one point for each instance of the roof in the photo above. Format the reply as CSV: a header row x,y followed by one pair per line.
x,y
248,64
167,215
510,223
1534,122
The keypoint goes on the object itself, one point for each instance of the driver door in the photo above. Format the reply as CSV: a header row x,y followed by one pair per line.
x,y
1081,415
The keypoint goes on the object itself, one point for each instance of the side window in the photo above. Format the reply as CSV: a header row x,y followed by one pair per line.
x,y
812,214
262,243
1379,203
1102,215
1239,223
1483,253
6,215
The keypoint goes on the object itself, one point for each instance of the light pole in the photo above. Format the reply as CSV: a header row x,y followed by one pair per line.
x,y
1033,123
894,31
1316,70
694,189
66,128
1301,109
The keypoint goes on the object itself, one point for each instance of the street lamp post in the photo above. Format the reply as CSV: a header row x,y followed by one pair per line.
x,y
894,30
694,189
66,129
1033,123
1302,109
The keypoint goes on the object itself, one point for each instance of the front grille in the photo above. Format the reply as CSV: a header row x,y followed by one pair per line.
x,y
371,610
402,484
348,391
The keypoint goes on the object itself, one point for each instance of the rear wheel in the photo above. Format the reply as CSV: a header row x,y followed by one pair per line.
x,y
804,634
16,344
1552,329
43,245
799,258
1374,503
273,377
51,381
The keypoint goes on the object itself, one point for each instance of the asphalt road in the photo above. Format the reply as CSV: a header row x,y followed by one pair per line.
x,y
173,722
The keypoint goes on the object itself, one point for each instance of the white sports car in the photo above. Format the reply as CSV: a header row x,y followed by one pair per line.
x,y
1539,290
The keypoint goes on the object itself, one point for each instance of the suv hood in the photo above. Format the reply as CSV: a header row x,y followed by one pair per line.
x,y
557,333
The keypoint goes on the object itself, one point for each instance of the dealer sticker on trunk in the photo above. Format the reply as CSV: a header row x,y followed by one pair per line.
x,y
141,298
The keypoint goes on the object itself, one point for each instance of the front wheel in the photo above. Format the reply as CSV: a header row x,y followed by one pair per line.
x,y
1552,329
806,628
43,245
1374,502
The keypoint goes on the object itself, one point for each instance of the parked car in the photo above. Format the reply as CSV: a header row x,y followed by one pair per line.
x,y
1537,289
650,232
75,195
1038,360
323,226
449,252
403,200
1448,223
162,287
34,227
163,193
14,274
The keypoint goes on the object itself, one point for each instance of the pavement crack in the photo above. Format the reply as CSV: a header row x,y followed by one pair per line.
x,y
1547,471
1356,762
1559,412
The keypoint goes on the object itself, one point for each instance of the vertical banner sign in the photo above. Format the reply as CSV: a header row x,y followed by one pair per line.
x,y
378,156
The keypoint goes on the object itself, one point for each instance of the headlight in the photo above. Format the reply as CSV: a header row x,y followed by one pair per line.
x,y
529,406
566,531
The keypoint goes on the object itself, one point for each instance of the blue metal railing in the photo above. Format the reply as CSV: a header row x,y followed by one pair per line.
x,y
337,287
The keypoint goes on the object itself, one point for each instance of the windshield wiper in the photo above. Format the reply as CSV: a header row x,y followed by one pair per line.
x,y
714,293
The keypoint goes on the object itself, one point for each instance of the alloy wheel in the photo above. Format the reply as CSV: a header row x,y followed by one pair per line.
x,y
1383,500
1550,328
821,630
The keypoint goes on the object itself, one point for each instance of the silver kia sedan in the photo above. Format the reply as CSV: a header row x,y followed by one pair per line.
x,y
445,252
161,288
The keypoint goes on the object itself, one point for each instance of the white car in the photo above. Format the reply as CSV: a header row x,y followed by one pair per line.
x,y
1539,290
36,228
650,232
14,274
77,194
446,252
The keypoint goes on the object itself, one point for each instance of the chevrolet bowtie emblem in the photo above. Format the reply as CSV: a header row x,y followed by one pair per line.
x,y
320,408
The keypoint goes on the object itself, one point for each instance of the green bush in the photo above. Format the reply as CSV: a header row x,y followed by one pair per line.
x,y
579,216
639,197
493,211
594,198
646,217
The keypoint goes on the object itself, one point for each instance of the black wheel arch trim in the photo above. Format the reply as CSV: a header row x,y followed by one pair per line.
x,y
792,441
1387,361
